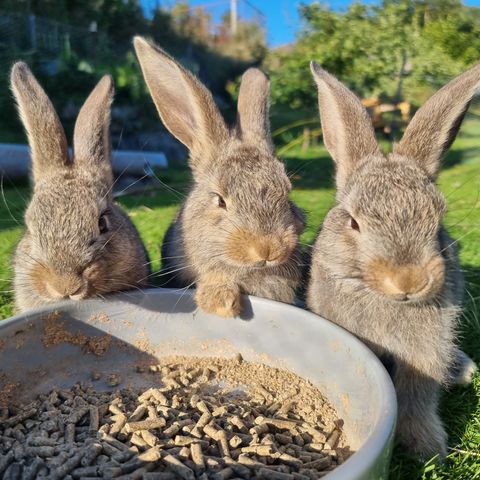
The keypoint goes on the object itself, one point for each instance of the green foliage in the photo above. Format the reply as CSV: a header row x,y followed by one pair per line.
x,y
400,49
79,41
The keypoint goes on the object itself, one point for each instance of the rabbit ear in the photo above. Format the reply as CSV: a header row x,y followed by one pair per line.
x,y
185,106
46,136
253,124
347,129
435,126
91,137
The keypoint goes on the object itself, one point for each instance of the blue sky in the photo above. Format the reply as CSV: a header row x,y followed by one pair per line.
x,y
281,16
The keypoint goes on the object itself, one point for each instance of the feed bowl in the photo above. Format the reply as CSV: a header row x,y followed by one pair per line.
x,y
145,325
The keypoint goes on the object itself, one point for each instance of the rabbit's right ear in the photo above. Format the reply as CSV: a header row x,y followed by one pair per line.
x,y
347,129
434,127
46,136
91,136
185,106
253,124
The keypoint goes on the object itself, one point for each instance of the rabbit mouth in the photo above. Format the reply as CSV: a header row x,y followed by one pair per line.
x,y
266,264
421,295
408,299
257,264
80,294
73,294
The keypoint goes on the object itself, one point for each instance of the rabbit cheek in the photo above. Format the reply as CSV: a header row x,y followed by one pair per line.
x,y
436,273
39,281
405,282
241,248
95,277
49,284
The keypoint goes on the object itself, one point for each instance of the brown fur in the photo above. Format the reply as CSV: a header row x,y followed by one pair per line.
x,y
251,245
248,248
422,281
394,281
62,253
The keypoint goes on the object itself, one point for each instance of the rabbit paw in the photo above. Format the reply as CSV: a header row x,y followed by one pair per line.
x,y
218,299
424,437
462,370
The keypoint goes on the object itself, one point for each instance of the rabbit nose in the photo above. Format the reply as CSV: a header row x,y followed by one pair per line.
x,y
247,247
53,291
263,250
64,287
268,251
405,282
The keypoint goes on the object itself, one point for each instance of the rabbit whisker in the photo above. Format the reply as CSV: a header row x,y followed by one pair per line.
x,y
6,203
178,194
119,193
110,189
183,293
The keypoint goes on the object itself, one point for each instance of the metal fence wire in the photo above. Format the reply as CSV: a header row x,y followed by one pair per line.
x,y
43,43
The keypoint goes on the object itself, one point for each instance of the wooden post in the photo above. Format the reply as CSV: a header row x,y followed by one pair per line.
x,y
306,139
233,17
32,24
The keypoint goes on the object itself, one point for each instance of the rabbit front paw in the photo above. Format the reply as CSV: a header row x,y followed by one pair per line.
x,y
424,437
219,300
463,369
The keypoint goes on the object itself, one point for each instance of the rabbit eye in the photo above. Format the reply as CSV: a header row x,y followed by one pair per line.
x,y
103,224
354,224
221,202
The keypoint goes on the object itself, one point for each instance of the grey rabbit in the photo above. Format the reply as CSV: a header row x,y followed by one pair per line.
x,y
237,231
383,265
78,243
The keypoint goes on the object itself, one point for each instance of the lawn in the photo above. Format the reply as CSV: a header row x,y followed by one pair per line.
x,y
311,174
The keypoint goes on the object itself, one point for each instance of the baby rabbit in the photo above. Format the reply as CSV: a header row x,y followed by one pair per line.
x,y
383,265
237,232
78,242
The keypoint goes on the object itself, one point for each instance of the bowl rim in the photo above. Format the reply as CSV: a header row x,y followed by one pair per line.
x,y
358,464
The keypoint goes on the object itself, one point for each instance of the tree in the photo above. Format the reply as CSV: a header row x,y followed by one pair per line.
x,y
398,49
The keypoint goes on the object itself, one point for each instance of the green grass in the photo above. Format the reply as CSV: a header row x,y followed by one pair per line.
x,y
312,173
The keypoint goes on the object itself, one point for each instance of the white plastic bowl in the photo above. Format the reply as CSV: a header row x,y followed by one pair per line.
x,y
162,322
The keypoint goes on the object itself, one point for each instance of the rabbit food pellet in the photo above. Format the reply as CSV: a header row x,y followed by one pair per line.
x,y
203,418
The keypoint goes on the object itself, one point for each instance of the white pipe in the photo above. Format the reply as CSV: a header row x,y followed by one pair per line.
x,y
15,161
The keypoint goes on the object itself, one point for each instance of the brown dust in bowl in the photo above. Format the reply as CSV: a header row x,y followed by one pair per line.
x,y
55,333
198,418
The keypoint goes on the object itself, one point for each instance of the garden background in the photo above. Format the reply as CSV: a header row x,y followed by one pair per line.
x,y
393,54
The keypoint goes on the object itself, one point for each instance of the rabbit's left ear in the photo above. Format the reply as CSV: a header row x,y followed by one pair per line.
x,y
435,126
46,136
346,127
91,138
253,124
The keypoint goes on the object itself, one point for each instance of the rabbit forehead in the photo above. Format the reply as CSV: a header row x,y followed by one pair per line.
x,y
67,211
396,197
250,173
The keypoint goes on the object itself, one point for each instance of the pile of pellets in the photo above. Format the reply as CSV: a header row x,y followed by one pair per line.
x,y
201,422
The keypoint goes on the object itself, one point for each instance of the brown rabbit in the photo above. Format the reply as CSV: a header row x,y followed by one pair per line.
x,y
383,265
237,231
78,242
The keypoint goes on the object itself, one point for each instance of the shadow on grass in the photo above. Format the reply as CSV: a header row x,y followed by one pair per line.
x,y
470,323
457,156
159,198
457,409
14,197
310,173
